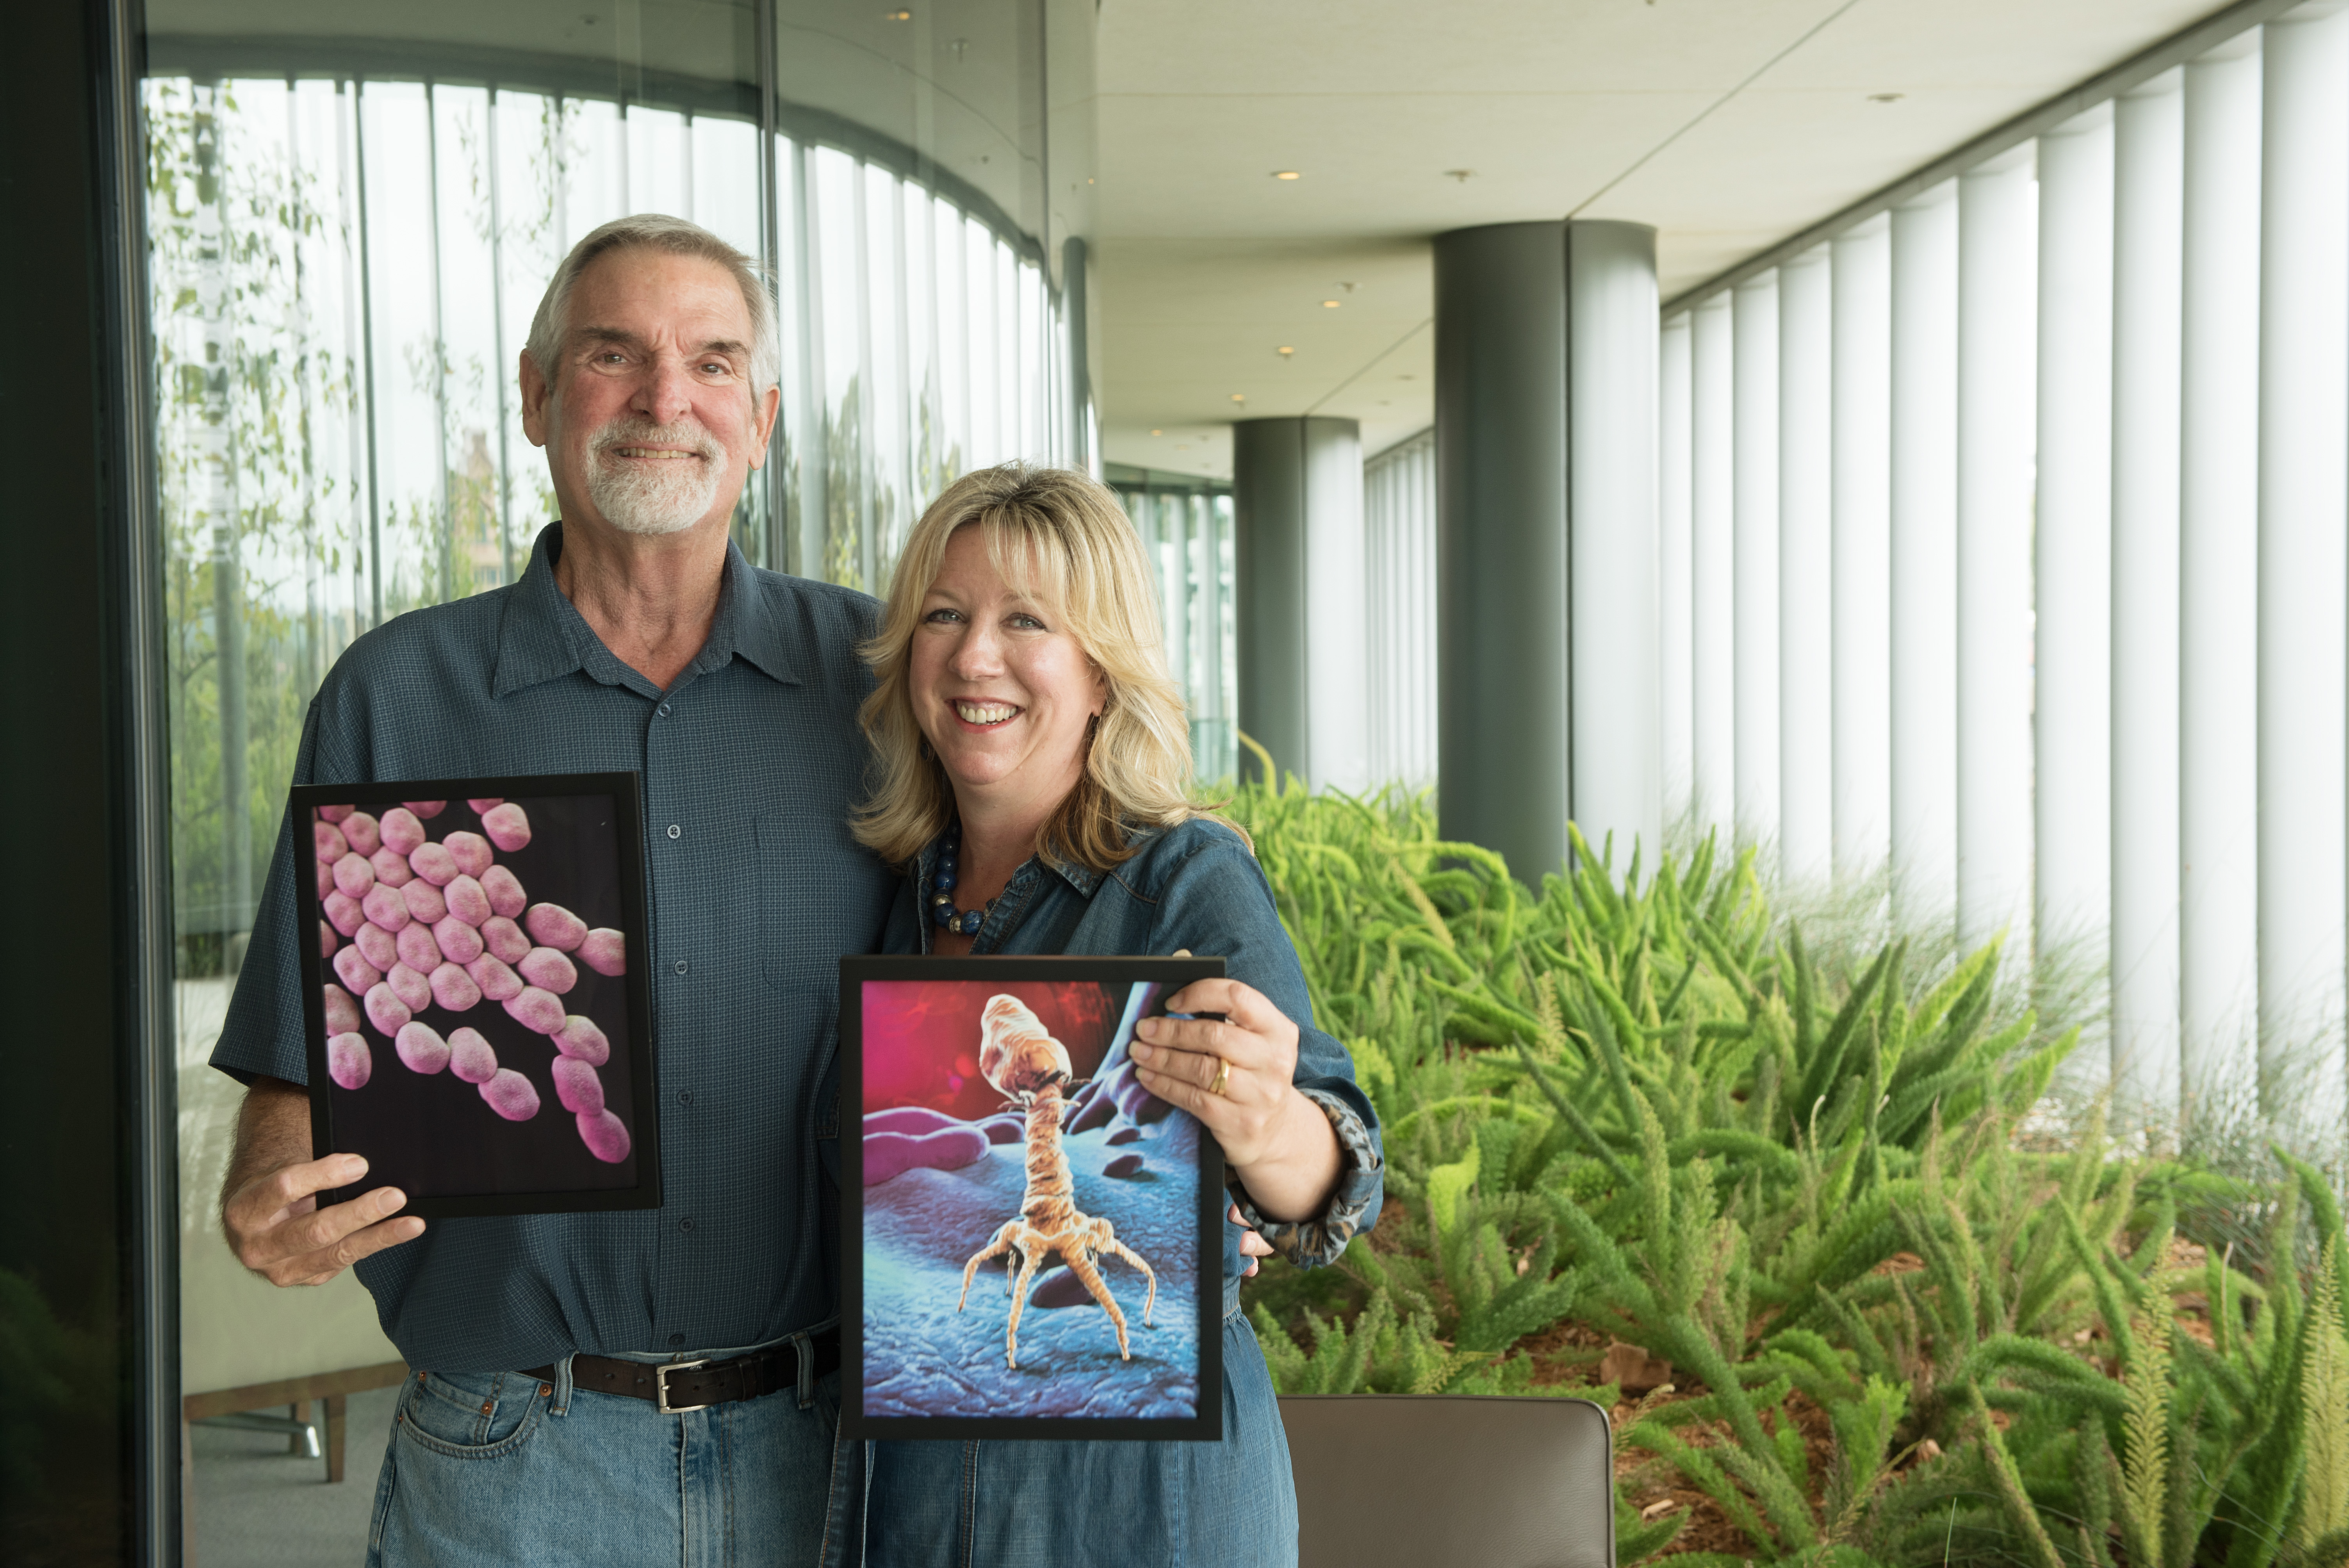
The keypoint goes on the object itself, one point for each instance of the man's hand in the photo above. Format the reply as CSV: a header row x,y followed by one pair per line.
x,y
269,1204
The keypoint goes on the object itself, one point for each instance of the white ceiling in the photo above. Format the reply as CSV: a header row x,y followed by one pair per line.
x,y
1728,124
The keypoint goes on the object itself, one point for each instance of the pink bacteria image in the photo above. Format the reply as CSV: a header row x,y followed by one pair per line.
x,y
377,946
349,1061
362,832
548,970
470,1057
508,826
400,832
579,1037
384,1010
342,1010
466,901
552,925
505,938
578,1086
541,1012
470,850
385,907
511,1095
453,989
421,1048
417,948
353,969
498,982
434,863
343,912
425,901
390,868
413,924
604,951
353,875
456,940
414,991
606,1135
505,894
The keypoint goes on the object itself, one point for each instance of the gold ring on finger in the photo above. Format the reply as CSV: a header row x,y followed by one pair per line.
x,y
1223,1076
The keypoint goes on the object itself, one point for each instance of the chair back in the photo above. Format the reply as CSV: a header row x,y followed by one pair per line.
x,y
1439,1480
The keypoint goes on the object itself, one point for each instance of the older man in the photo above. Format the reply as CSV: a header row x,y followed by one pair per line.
x,y
536,1427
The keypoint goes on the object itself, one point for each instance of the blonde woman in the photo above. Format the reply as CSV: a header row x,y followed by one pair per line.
x,y
1032,755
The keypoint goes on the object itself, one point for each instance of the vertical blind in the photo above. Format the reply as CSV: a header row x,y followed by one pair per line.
x,y
2005,548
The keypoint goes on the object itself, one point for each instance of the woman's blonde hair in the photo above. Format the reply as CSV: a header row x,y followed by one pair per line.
x,y
1061,540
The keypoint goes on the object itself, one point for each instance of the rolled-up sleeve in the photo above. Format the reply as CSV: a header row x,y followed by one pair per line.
x,y
1217,901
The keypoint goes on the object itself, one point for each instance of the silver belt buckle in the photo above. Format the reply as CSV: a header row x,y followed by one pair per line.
x,y
661,1386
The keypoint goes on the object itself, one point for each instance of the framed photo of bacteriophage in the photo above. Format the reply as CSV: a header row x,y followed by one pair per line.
x,y
1031,1240
476,1009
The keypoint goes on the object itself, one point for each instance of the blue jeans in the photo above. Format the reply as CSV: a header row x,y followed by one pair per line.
x,y
496,1468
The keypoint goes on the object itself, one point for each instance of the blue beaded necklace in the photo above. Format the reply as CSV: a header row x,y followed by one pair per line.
x,y
942,882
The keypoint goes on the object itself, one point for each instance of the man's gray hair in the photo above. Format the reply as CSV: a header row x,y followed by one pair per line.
x,y
656,231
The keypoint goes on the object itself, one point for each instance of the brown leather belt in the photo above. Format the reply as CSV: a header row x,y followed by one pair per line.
x,y
680,1386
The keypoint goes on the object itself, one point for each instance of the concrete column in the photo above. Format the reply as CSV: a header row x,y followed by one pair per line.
x,y
1501,532
1675,611
1614,679
1546,435
1297,543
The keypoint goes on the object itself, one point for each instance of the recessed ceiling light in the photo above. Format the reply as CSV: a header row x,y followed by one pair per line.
x,y
1328,305
1886,98
1157,432
896,15
1239,396
1182,446
1462,175
1285,351
1286,174
1402,378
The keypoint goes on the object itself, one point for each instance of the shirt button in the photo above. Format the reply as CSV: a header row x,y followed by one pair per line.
x,y
685,1224
685,1097
681,966
674,831
677,1339
664,710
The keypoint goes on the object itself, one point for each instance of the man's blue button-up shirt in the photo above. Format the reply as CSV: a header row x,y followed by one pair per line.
x,y
751,764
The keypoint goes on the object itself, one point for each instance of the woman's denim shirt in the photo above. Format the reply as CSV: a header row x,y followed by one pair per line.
x,y
1193,886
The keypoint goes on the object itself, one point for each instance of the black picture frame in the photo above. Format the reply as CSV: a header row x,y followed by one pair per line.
x,y
870,1355
437,1141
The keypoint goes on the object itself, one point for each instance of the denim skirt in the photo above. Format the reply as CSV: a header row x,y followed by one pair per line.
x,y
1228,1504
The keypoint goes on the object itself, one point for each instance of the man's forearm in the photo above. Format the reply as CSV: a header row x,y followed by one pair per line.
x,y
273,1131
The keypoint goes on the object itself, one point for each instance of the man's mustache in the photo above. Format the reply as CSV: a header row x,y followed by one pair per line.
x,y
645,433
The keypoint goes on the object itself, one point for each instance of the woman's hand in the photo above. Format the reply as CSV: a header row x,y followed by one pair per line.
x,y
1277,1141
1252,1246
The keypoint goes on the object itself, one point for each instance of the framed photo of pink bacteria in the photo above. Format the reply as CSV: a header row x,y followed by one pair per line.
x,y
1033,1242
478,1018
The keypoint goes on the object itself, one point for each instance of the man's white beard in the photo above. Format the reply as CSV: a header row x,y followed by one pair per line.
x,y
664,496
